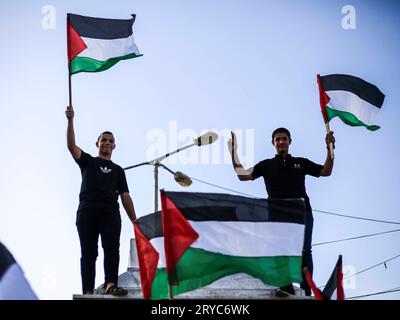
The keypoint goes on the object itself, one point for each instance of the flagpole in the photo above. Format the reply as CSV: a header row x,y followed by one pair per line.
x,y
323,101
330,143
69,66
69,86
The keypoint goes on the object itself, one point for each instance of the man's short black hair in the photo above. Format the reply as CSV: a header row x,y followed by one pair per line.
x,y
105,132
280,130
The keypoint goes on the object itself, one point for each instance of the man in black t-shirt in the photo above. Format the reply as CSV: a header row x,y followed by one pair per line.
x,y
284,177
98,212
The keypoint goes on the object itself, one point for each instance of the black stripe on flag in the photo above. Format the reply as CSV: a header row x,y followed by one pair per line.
x,y
226,207
332,283
6,259
358,86
151,225
100,28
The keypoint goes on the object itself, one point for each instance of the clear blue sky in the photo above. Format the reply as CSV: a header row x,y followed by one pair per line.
x,y
221,65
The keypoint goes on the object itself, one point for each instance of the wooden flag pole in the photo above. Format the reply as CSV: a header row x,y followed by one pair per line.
x,y
69,87
171,292
330,144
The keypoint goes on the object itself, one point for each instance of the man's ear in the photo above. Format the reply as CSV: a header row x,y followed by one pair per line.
x,y
97,144
290,141
114,146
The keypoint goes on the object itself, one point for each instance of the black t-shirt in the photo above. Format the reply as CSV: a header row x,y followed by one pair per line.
x,y
102,181
284,176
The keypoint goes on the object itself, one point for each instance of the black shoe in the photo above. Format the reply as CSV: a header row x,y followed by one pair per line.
x,y
285,291
116,291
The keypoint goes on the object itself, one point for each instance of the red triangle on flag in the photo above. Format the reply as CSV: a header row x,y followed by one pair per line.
x,y
178,236
148,260
323,98
75,44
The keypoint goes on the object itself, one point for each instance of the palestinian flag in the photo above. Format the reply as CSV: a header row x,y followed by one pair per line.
x,y
334,287
208,236
355,101
150,248
96,44
13,284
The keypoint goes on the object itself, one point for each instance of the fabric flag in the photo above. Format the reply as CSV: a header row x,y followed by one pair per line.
x,y
96,44
208,236
334,287
355,101
13,284
150,248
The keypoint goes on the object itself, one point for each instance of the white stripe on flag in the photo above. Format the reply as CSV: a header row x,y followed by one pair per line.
x,y
158,244
243,239
349,102
102,50
249,239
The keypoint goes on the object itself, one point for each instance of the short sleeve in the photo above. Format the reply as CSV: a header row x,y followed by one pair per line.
x,y
122,183
311,168
83,160
258,170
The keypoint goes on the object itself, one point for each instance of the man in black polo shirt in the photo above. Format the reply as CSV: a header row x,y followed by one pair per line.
x,y
98,212
284,177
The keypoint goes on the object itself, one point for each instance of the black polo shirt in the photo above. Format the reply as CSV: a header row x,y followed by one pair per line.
x,y
284,176
102,182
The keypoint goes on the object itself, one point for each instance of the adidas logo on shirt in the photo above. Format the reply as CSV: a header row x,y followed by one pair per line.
x,y
105,170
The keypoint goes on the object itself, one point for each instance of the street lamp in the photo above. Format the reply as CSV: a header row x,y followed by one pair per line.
x,y
181,178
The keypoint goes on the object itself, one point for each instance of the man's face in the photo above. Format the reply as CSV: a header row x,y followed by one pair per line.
x,y
106,144
281,143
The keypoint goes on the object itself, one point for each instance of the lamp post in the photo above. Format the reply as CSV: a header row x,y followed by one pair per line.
x,y
181,178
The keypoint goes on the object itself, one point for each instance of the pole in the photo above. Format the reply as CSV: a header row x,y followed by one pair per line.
x,y
69,86
330,144
155,187
171,292
69,62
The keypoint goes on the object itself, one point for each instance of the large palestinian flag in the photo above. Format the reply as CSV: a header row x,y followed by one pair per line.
x,y
96,44
355,101
13,284
208,236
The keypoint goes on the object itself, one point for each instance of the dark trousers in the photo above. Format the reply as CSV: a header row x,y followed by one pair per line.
x,y
307,260
92,222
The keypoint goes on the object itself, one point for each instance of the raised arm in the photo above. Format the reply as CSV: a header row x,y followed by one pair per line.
x,y
72,147
128,205
241,172
328,165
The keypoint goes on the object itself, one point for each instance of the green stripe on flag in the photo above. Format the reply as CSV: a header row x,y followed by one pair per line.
x,y
349,119
85,64
198,268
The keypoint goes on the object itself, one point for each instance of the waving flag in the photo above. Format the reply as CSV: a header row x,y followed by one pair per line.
x,y
150,248
13,284
333,289
355,101
96,44
208,236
